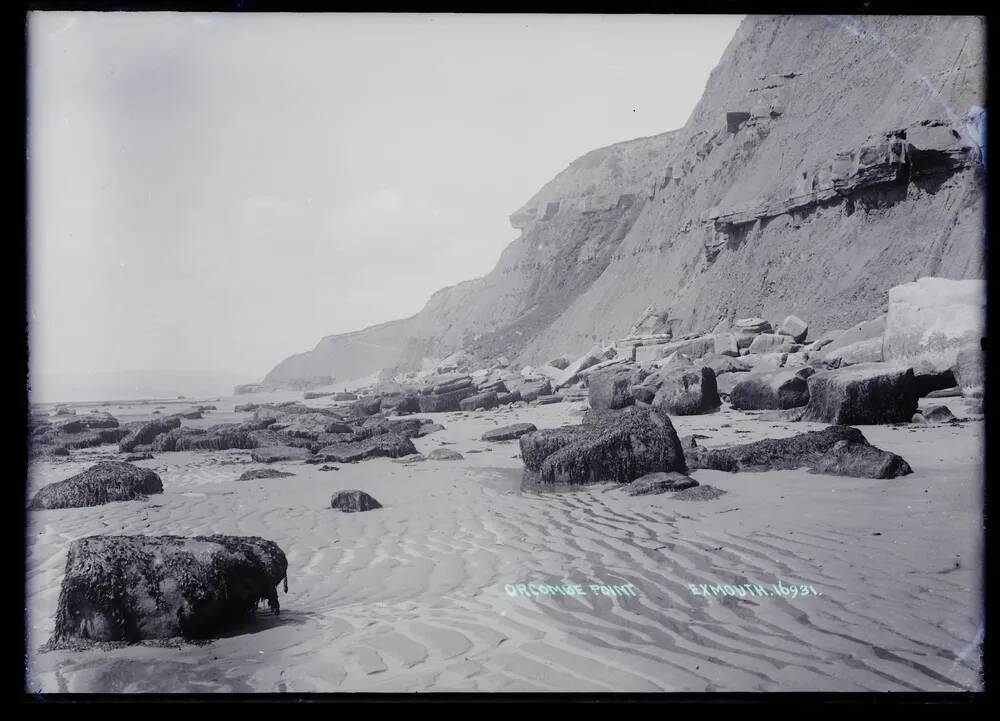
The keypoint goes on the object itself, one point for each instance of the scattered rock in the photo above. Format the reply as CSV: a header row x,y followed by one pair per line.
x,y
771,343
938,414
328,468
686,391
388,445
725,344
105,482
130,588
273,454
530,390
144,433
836,450
353,501
509,433
612,388
655,483
486,401
444,454
795,327
444,402
868,393
258,473
366,407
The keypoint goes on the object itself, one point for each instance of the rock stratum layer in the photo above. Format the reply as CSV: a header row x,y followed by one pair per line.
x,y
829,159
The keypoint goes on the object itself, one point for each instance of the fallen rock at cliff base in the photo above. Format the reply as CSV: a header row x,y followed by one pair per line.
x,y
794,327
486,401
837,450
612,387
869,393
687,391
105,482
131,588
776,390
353,501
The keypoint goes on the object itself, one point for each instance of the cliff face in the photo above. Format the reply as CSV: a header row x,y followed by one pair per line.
x,y
829,159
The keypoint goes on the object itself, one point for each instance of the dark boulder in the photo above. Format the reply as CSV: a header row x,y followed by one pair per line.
x,y
777,390
131,588
409,427
444,402
353,501
143,433
366,407
837,450
612,387
771,343
259,473
938,414
660,482
867,393
389,445
485,401
505,399
509,433
638,441
530,390
105,482
686,391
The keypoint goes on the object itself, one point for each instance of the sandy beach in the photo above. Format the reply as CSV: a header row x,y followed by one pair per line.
x,y
413,596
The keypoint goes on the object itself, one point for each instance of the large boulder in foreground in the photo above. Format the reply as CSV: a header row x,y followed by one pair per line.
x,y
102,483
509,433
867,393
131,588
930,320
687,391
777,390
837,450
635,442
353,501
611,388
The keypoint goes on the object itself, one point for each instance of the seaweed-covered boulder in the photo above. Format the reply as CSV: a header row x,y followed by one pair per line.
x,y
366,407
388,445
444,454
636,442
867,393
660,482
837,450
612,387
686,391
131,588
509,433
144,433
260,473
485,401
273,454
444,402
102,483
786,388
353,501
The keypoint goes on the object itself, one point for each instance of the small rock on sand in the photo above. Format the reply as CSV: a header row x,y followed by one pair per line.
x,y
444,454
699,493
352,501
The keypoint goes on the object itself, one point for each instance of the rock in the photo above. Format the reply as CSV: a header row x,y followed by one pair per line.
x,y
138,457
345,396
388,445
612,388
726,364
409,427
870,330
444,454
655,483
969,370
144,433
191,414
273,454
562,362
258,473
486,401
747,329
509,433
427,428
353,501
638,441
767,362
366,407
836,450
130,588
953,392
412,458
105,482
918,418
569,375
862,394
505,399
687,391
444,402
699,493
938,414
864,351
725,384
548,400
696,347
795,327
530,390
725,344
771,343
779,389
929,321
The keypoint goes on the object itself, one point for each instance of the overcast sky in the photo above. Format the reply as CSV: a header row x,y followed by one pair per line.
x,y
218,191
